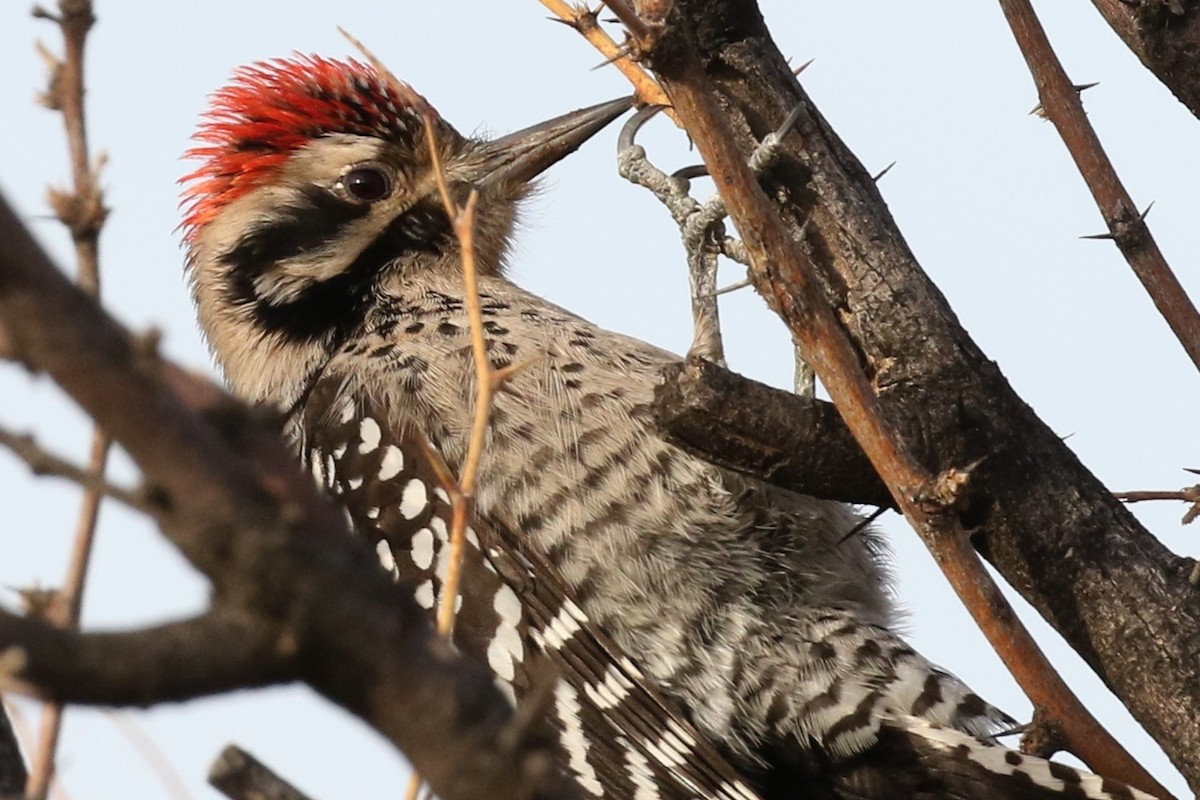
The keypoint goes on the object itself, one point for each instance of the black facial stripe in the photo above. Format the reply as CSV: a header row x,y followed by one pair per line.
x,y
336,305
317,217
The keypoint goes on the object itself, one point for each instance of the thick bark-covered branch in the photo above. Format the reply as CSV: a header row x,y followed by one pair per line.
x,y
799,443
218,652
230,496
1165,35
1121,599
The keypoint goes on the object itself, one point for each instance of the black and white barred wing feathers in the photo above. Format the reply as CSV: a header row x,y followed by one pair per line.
x,y
620,737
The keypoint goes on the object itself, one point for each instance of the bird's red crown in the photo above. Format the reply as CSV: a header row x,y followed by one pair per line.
x,y
272,108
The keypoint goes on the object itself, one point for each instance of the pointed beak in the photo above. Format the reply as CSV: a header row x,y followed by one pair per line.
x,y
522,156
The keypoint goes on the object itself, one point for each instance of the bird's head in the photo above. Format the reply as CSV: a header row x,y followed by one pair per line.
x,y
316,178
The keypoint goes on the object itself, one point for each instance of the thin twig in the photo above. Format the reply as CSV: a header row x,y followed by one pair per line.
x,y
581,19
170,778
1126,225
1190,494
43,462
414,786
83,212
488,380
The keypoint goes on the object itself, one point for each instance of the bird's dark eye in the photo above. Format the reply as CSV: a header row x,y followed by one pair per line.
x,y
369,184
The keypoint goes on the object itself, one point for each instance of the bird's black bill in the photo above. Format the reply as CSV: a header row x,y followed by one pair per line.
x,y
524,155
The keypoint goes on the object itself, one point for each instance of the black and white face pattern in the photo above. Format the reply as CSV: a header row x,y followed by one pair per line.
x,y
620,737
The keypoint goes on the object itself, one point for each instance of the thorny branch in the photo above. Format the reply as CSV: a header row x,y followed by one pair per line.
x,y
82,211
1126,225
783,273
1189,494
585,22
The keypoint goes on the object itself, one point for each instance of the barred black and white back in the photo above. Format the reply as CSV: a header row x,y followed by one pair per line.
x,y
620,736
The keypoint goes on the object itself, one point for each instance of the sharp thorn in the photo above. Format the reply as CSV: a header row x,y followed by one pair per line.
x,y
1100,236
882,172
1083,87
1146,213
861,526
802,67
622,52
790,122
733,287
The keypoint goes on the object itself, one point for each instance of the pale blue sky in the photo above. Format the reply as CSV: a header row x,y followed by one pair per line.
x,y
985,193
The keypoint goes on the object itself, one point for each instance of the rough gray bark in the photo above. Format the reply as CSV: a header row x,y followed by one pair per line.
x,y
1110,588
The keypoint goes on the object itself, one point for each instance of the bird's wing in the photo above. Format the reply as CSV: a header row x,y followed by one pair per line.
x,y
620,736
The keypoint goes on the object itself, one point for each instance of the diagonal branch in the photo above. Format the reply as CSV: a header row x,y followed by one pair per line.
x,y
783,273
240,776
43,462
957,447
1118,597
1166,37
1126,225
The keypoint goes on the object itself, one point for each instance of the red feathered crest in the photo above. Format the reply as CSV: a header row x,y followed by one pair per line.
x,y
272,108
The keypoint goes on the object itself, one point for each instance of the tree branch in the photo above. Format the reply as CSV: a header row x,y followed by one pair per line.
x,y
796,442
83,213
1166,37
42,462
218,652
232,498
946,410
1126,225
240,776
